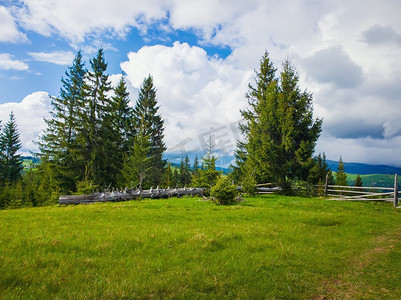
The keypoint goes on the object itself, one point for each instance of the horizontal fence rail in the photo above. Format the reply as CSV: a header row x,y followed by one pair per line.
x,y
363,193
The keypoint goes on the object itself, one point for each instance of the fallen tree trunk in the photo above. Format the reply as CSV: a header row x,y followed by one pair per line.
x,y
129,195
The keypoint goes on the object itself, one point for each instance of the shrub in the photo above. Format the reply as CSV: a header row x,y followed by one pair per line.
x,y
223,191
85,186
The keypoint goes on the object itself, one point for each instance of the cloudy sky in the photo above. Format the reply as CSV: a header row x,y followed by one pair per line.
x,y
202,54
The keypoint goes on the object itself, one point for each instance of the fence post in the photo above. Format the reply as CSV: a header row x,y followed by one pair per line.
x,y
326,185
395,190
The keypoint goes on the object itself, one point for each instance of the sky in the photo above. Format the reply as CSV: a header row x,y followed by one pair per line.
x,y
202,56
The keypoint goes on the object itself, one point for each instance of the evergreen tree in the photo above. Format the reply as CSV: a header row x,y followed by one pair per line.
x,y
239,166
317,174
358,180
168,180
207,175
136,165
185,172
95,127
118,127
341,176
176,177
10,144
195,167
122,116
59,142
146,114
279,127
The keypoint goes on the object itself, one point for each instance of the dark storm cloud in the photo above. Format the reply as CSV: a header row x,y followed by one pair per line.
x,y
353,129
333,65
379,35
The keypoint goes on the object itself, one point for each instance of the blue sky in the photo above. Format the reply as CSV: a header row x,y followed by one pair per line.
x,y
202,55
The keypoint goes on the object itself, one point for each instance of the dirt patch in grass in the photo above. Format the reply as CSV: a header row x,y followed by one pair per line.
x,y
359,281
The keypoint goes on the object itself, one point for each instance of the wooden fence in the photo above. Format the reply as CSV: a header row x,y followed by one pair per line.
x,y
127,194
363,193
333,192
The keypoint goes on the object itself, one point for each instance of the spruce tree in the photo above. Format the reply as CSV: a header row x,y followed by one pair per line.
x,y
95,125
207,175
136,165
341,176
195,169
59,144
317,174
146,115
122,116
118,127
358,180
168,177
185,172
280,131
10,144
182,173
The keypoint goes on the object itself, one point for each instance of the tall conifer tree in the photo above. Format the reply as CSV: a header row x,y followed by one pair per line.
x,y
10,144
122,116
59,144
94,131
279,127
146,114
341,176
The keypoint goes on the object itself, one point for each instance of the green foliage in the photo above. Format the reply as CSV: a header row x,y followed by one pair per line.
x,y
168,178
91,134
94,132
195,167
10,160
223,192
279,127
358,180
59,143
86,186
208,175
36,187
146,116
185,172
248,182
319,170
137,165
341,176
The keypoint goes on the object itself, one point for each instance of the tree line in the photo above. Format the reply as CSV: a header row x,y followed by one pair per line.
x,y
95,140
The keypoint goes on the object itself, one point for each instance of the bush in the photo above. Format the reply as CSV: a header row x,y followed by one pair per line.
x,y
85,187
223,192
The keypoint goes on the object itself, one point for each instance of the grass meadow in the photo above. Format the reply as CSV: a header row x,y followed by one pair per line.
x,y
269,247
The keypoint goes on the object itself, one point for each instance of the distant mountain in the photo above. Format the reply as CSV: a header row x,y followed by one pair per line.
x,y
364,169
224,161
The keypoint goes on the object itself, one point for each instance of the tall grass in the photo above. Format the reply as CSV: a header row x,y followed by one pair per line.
x,y
266,247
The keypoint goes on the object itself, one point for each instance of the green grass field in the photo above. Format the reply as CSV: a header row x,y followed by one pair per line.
x,y
270,247
382,180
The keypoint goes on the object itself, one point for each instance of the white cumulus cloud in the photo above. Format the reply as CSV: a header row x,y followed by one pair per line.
x,y
195,92
29,114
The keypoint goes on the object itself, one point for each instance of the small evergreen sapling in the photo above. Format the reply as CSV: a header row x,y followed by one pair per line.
x,y
223,192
